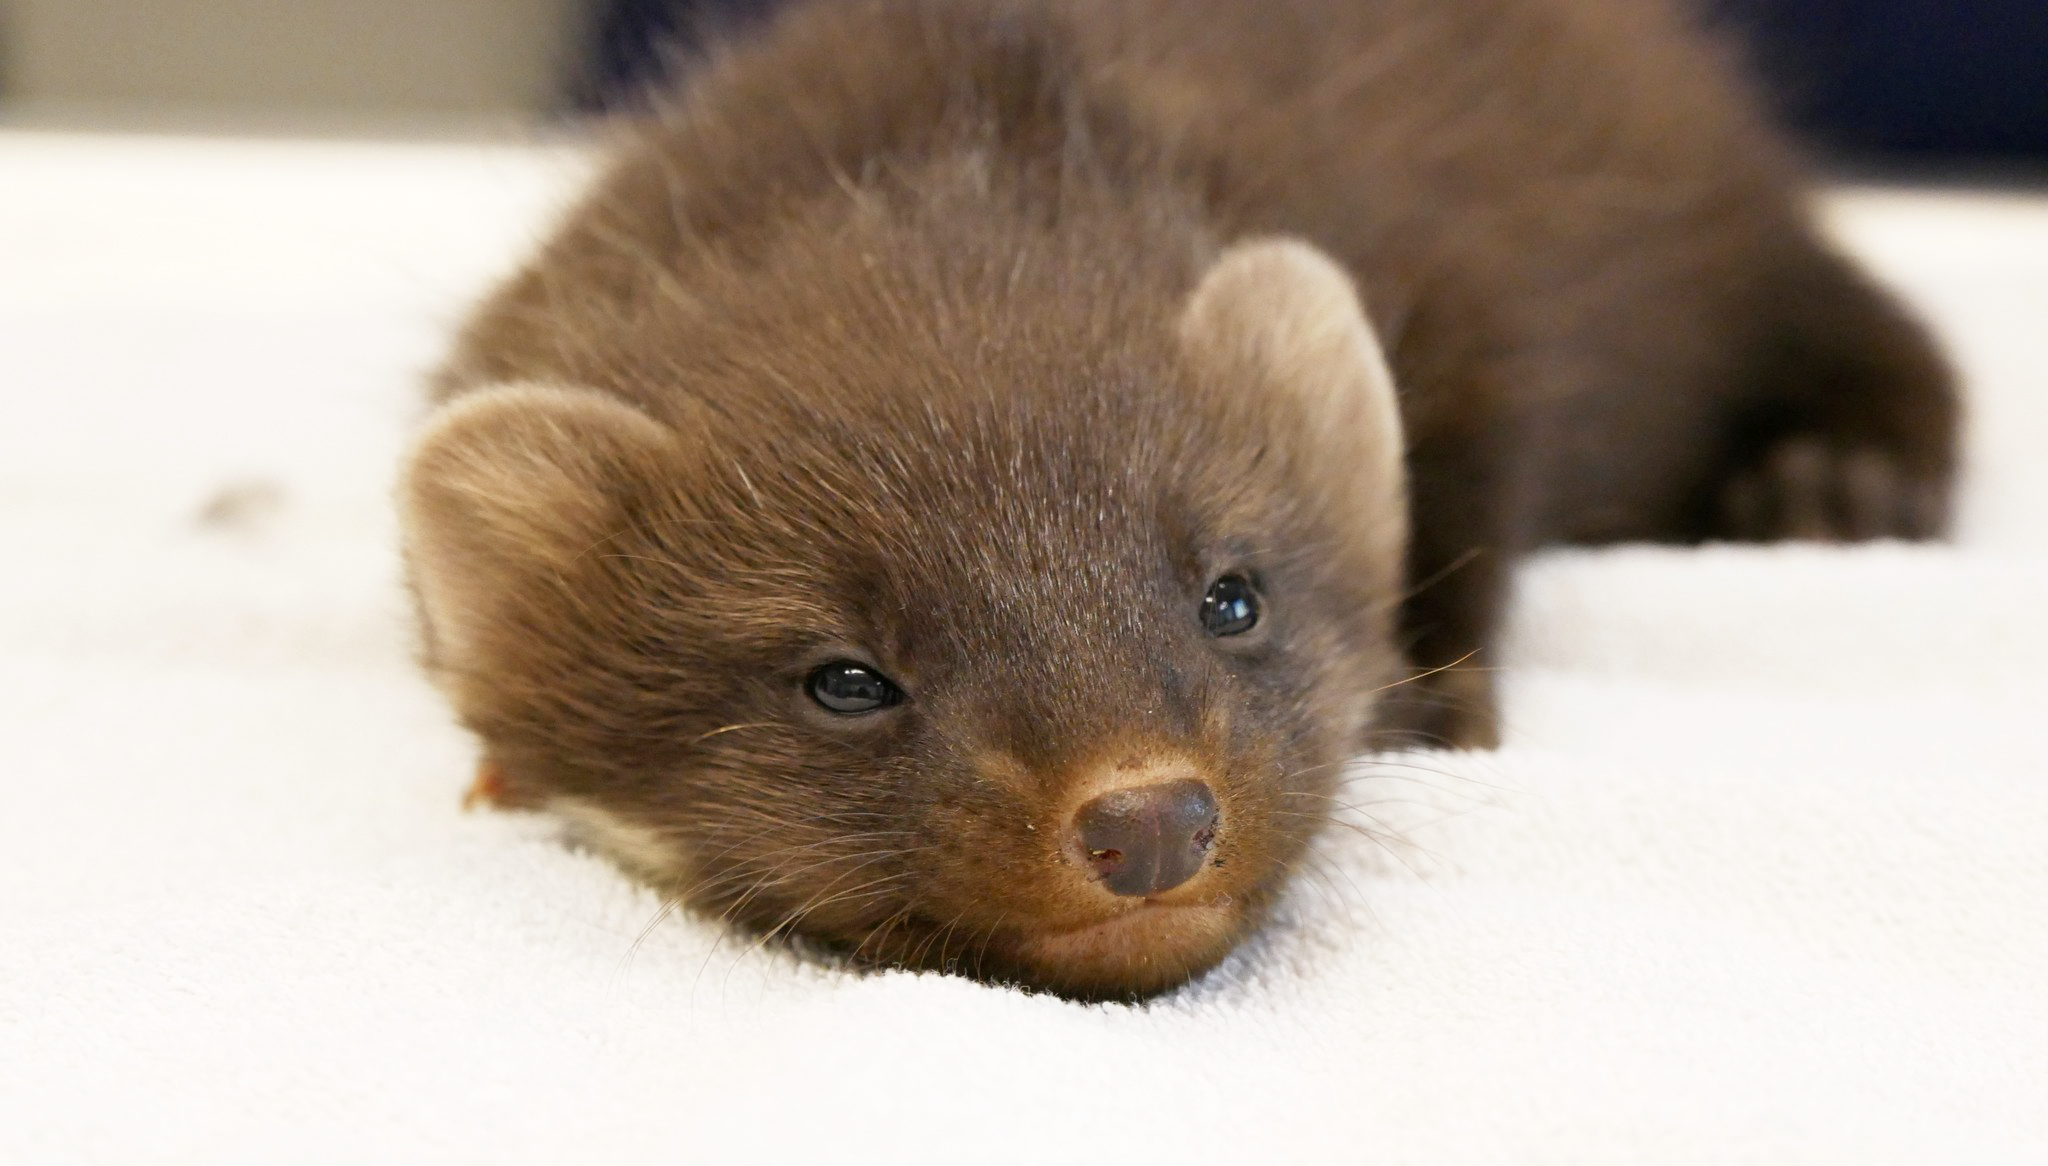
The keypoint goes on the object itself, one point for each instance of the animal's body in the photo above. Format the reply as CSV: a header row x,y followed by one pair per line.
x,y
943,492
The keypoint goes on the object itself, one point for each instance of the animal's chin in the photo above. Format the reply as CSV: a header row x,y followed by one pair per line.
x,y
1140,952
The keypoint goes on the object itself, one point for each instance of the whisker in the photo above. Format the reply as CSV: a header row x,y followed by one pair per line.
x,y
880,933
719,732
981,956
918,959
1443,573
1387,840
625,964
1456,665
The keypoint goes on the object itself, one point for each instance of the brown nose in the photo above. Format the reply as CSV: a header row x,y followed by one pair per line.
x,y
1150,839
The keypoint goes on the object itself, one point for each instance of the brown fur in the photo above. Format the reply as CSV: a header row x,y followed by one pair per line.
x,y
961,338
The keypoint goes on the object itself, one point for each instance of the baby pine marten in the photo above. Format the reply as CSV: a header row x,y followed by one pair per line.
x,y
965,481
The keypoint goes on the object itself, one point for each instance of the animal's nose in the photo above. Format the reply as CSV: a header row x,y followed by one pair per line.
x,y
1150,839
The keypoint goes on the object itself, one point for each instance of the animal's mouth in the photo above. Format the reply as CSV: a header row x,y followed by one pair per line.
x,y
1148,948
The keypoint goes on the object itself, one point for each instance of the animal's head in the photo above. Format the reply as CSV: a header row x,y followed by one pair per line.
x,y
1016,648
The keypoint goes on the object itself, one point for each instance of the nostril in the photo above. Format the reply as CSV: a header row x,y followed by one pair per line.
x,y
1106,862
1150,839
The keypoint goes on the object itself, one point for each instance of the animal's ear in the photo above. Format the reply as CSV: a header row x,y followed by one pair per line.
x,y
1279,318
506,490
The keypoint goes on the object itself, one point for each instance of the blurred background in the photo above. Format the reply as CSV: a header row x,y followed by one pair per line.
x,y
1890,84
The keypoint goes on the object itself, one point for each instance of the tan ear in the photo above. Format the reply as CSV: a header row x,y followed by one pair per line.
x,y
512,484
1279,317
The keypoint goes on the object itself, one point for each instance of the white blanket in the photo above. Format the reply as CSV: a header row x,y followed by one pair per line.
x,y
1761,874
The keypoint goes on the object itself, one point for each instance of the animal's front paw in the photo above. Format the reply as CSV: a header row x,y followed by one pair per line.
x,y
1812,488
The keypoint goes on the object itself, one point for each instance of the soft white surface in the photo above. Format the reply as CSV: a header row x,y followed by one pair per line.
x,y
1762,874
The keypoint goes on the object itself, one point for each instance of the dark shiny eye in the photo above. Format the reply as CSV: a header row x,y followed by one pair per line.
x,y
849,688
1231,608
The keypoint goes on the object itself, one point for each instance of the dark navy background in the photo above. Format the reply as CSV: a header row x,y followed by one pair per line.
x,y
1960,79
1952,81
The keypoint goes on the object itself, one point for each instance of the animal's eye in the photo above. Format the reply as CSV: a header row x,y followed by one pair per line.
x,y
849,688
1231,608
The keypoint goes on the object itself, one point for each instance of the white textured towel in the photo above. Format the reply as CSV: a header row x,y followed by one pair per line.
x,y
1761,875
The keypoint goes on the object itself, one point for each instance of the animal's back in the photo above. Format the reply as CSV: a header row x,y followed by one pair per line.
x,y
1572,190
1561,214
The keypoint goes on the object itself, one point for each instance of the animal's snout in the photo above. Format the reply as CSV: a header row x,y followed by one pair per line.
x,y
1149,839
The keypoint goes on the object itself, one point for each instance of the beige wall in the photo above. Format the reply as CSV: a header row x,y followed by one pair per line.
x,y
288,56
